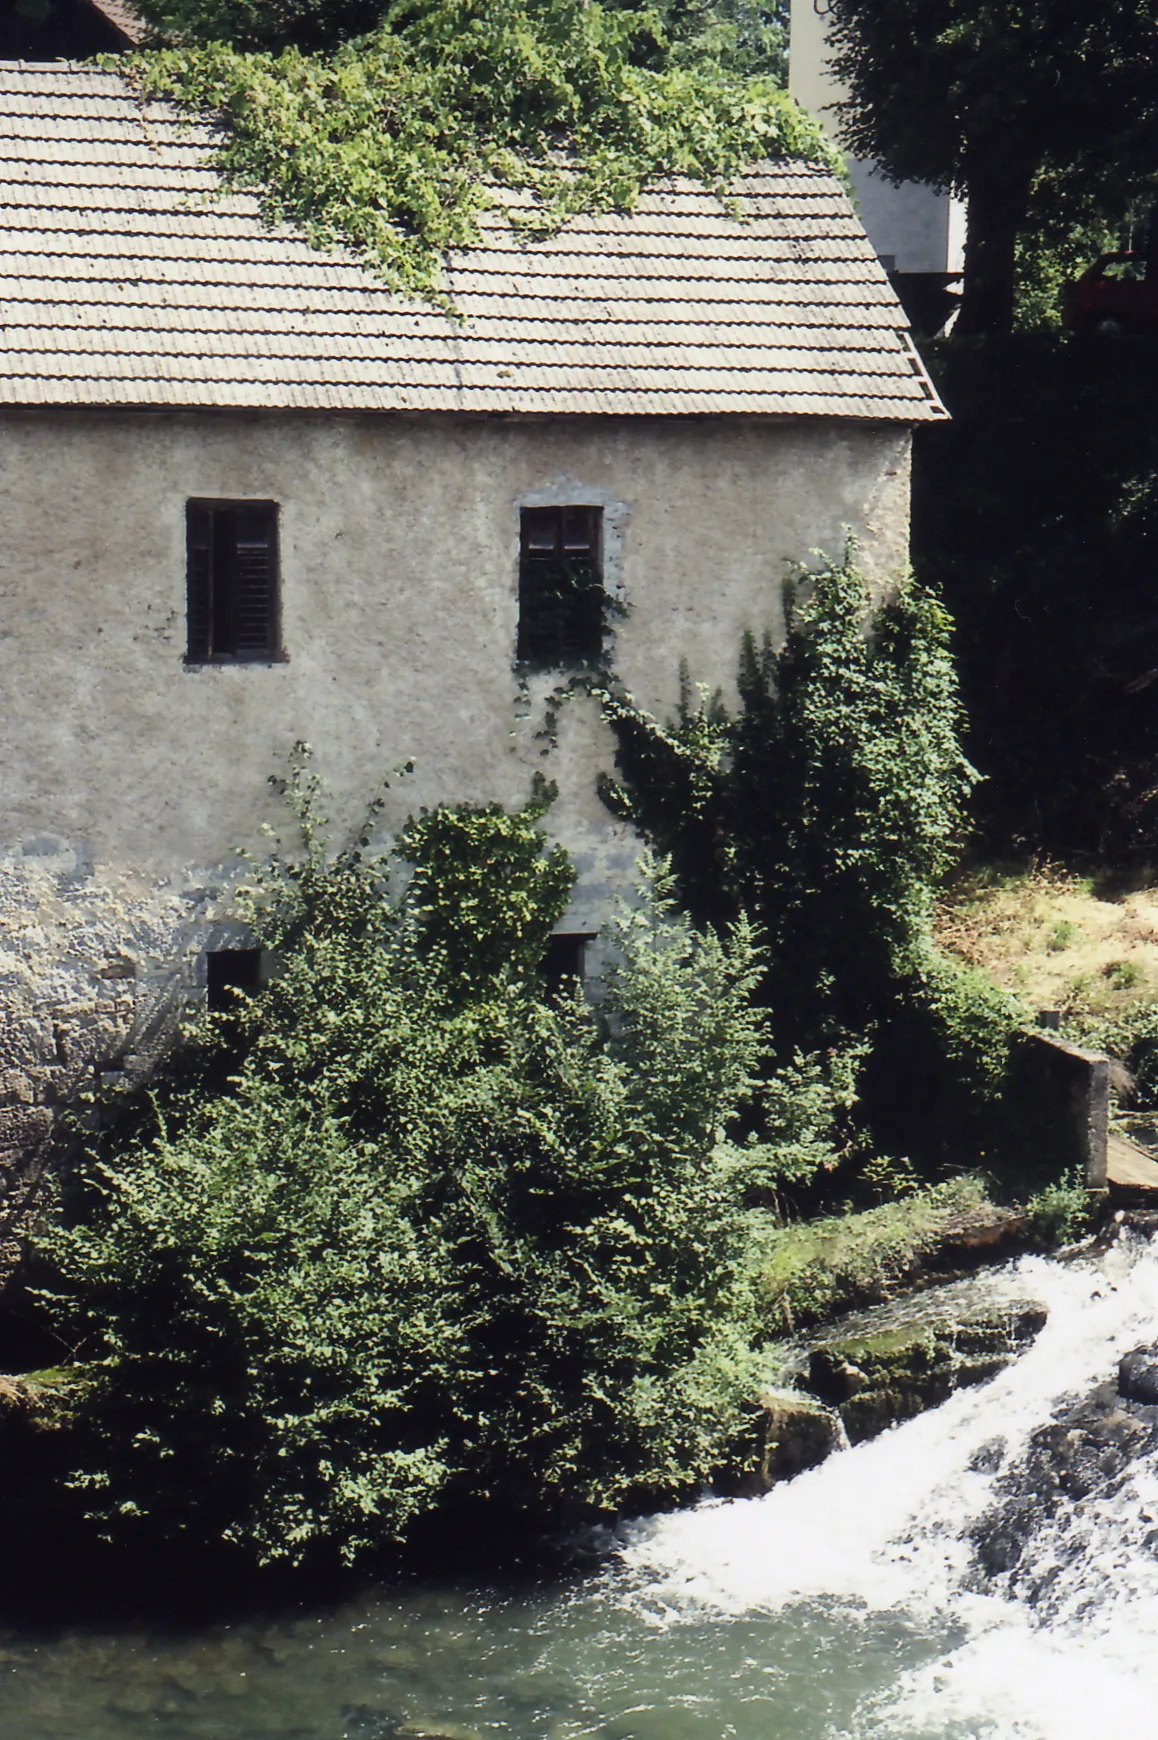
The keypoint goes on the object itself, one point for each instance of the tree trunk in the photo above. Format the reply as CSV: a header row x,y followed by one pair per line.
x,y
998,193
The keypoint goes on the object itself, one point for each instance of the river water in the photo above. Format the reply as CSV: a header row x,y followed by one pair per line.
x,y
843,1606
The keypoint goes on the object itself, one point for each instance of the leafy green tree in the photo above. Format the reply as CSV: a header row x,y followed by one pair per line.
x,y
990,97
736,36
828,807
436,1240
393,142
258,25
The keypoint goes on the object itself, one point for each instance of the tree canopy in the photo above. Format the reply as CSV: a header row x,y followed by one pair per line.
x,y
408,1232
994,97
389,129
741,36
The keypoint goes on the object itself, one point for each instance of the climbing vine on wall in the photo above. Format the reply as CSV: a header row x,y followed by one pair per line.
x,y
393,145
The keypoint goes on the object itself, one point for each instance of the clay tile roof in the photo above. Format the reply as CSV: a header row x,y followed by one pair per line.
x,y
125,280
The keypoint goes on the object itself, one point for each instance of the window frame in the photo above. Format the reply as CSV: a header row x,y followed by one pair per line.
x,y
223,581
577,639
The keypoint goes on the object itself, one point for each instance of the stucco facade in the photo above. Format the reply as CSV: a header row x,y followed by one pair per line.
x,y
131,778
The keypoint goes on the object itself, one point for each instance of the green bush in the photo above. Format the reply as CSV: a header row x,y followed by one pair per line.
x,y
1060,1213
828,807
435,1239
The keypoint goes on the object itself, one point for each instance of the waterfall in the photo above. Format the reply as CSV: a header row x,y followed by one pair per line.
x,y
885,1529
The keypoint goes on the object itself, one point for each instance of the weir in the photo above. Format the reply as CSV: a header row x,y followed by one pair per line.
x,y
1059,1644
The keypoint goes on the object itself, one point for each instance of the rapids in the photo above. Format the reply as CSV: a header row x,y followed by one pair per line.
x,y
843,1606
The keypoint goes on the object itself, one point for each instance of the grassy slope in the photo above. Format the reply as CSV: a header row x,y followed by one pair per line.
x,y
815,1269
1057,940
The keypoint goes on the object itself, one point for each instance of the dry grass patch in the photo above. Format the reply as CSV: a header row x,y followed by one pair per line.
x,y
1055,939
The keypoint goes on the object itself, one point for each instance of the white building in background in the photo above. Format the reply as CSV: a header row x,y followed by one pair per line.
x,y
918,234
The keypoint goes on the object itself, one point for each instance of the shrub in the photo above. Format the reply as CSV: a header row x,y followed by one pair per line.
x,y
436,1239
830,804
1060,1213
828,807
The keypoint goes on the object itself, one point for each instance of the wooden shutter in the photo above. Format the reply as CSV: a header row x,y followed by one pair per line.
x,y
198,580
231,581
255,581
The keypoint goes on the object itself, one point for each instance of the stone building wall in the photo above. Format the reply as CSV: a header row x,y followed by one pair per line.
x,y
129,780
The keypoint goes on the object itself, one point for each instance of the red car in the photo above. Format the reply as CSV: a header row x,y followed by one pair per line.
x,y
1113,301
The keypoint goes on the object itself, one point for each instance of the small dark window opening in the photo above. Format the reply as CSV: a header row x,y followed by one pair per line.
x,y
228,971
231,582
566,959
561,596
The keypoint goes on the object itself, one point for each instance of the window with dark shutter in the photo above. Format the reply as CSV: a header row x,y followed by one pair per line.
x,y
231,582
561,597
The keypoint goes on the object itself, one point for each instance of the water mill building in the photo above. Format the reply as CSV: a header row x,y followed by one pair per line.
x,y
249,495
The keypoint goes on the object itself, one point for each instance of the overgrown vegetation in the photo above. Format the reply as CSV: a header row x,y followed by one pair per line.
x,y
436,1238
393,143
827,807
1059,1213
812,1270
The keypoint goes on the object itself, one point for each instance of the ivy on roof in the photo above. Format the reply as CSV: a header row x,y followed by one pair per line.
x,y
392,144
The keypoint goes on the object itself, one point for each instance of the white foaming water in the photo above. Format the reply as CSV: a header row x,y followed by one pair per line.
x,y
883,1528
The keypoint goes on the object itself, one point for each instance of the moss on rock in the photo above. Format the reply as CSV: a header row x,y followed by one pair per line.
x,y
876,1380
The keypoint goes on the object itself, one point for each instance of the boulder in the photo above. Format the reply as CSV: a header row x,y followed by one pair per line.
x,y
796,1432
876,1378
1085,1452
1138,1375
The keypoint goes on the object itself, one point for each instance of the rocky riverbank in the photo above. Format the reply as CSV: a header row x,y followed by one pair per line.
x,y
1081,1463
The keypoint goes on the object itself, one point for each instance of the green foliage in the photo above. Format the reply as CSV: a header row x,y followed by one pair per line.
x,y
831,803
803,1108
1063,235
995,97
936,1079
738,36
1060,1214
828,807
484,892
813,1271
1130,1036
393,144
262,24
435,1240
